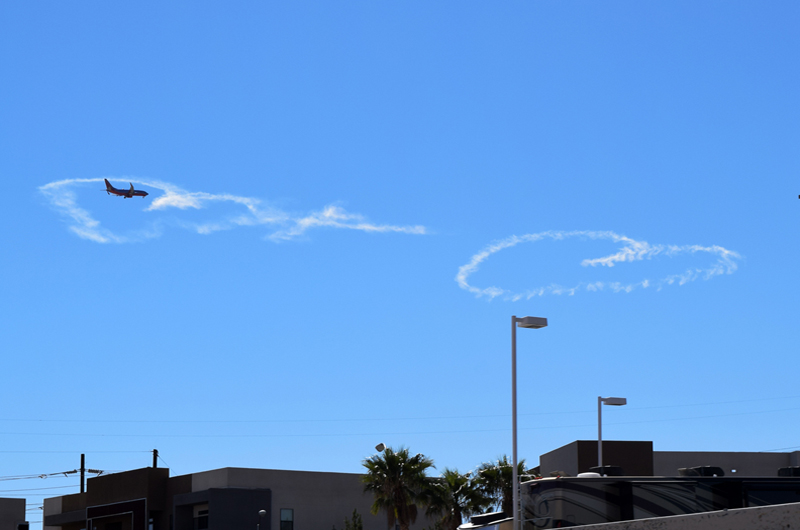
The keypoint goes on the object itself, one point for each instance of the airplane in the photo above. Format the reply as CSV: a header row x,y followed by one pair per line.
x,y
125,194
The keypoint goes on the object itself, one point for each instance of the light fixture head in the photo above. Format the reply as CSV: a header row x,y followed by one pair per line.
x,y
380,447
532,322
617,401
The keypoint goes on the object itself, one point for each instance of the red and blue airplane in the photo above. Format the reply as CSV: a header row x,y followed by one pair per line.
x,y
125,194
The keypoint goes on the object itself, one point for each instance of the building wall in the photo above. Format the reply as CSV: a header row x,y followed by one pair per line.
x,y
319,500
562,459
639,459
145,483
12,512
666,463
225,508
232,496
52,506
635,458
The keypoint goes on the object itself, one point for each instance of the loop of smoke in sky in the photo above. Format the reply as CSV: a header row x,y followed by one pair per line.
x,y
62,197
630,251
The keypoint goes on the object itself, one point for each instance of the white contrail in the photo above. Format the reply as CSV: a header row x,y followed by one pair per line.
x,y
336,217
64,200
631,250
249,212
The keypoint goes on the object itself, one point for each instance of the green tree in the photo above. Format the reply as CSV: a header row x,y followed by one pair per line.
x,y
496,480
453,497
398,483
355,523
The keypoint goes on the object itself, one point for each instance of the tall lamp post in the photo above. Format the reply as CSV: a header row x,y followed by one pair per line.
x,y
261,514
616,401
531,323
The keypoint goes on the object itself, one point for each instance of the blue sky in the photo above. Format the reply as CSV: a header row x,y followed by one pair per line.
x,y
293,290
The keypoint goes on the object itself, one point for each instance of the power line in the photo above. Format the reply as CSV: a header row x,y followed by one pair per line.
x,y
46,475
415,418
38,489
160,458
70,452
781,449
42,475
460,431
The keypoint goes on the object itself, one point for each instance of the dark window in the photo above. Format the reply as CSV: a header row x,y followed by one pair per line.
x,y
287,519
201,521
114,526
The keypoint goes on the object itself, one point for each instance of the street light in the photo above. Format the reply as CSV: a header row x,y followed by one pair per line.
x,y
261,514
616,401
531,323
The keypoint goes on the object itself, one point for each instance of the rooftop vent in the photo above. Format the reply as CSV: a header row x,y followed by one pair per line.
x,y
608,471
701,471
791,471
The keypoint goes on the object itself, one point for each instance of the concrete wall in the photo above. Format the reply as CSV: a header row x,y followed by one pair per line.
x,y
145,483
666,463
562,459
639,459
52,506
12,511
319,500
227,508
781,516
635,458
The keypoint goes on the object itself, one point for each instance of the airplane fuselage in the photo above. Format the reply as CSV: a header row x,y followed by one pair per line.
x,y
125,194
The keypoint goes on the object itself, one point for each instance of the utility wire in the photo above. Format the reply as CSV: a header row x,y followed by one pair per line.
x,y
781,449
461,431
71,452
160,458
38,489
416,418
397,433
40,475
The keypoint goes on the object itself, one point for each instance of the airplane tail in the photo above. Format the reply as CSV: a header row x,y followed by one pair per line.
x,y
108,185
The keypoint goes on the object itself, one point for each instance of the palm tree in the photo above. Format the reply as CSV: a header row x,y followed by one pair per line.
x,y
496,480
398,482
453,497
